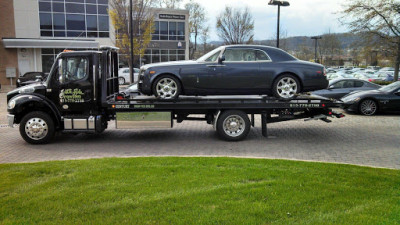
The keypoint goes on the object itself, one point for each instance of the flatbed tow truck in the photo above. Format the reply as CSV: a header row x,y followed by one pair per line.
x,y
82,94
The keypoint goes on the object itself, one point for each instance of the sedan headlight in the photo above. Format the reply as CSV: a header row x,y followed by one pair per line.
x,y
11,104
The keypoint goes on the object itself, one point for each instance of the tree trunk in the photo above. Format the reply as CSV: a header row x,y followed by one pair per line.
x,y
397,63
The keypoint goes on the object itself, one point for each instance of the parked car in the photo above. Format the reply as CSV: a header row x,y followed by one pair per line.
x,y
375,68
385,99
124,76
131,90
30,78
340,75
341,87
235,69
363,76
383,76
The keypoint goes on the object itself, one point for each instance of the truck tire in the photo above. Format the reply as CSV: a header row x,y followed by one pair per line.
x,y
286,86
167,87
233,125
37,127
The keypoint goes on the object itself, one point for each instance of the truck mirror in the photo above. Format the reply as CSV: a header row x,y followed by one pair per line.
x,y
60,71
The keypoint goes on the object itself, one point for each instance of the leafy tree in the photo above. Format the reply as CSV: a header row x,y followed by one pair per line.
x,y
197,19
377,18
235,26
143,26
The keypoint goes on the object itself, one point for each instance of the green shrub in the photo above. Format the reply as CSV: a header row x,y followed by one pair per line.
x,y
380,82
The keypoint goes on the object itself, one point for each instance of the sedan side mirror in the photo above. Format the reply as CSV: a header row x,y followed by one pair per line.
x,y
397,93
331,87
221,59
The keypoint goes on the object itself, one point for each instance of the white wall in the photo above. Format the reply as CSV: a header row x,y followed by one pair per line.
x,y
26,17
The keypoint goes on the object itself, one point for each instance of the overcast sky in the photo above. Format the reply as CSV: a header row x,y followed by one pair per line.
x,y
302,17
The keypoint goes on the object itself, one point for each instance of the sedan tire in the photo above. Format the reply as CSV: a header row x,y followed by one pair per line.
x,y
368,107
167,87
286,86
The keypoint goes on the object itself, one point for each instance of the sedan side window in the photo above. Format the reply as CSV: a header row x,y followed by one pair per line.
x,y
213,58
358,84
240,55
261,56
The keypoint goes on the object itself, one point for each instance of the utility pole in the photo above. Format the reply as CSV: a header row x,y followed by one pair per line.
x,y
131,41
316,38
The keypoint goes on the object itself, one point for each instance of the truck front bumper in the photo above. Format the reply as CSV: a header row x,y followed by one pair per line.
x,y
10,119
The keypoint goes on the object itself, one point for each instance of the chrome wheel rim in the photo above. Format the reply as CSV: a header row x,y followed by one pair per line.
x,y
234,125
166,88
368,107
121,80
287,87
36,128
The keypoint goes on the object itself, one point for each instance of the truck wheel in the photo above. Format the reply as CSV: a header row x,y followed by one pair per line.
x,y
233,125
286,86
167,87
37,128
121,80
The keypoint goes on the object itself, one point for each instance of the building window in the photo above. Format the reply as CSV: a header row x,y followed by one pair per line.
x,y
163,55
48,57
164,30
74,18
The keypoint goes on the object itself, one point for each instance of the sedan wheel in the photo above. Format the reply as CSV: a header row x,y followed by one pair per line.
x,y
286,87
368,107
167,88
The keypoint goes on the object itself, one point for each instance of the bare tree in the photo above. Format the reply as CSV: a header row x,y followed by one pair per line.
x,y
169,4
329,46
204,38
235,26
197,19
378,18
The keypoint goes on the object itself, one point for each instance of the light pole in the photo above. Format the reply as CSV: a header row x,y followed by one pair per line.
x,y
131,41
316,38
279,4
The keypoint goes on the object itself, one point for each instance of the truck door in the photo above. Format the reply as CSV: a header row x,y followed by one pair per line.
x,y
71,87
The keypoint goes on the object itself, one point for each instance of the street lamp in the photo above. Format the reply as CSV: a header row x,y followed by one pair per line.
x,y
279,4
316,44
131,71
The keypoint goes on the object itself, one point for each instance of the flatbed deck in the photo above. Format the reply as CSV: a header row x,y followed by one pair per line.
x,y
247,102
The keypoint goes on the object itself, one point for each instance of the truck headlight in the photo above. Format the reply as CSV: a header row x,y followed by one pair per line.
x,y
26,90
11,104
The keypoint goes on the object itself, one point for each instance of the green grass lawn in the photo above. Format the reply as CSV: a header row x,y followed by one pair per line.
x,y
197,190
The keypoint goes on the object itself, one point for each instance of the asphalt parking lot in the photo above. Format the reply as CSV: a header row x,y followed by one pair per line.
x,y
370,141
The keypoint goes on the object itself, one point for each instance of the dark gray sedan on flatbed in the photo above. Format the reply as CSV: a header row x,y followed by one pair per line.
x,y
234,70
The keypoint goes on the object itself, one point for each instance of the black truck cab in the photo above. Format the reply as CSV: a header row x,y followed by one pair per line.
x,y
76,88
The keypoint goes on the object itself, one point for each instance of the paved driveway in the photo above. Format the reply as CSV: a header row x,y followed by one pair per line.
x,y
371,141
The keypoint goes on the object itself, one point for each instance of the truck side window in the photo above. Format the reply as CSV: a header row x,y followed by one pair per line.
x,y
72,69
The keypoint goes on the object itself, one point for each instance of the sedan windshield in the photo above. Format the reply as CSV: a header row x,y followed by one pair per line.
x,y
211,56
391,87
